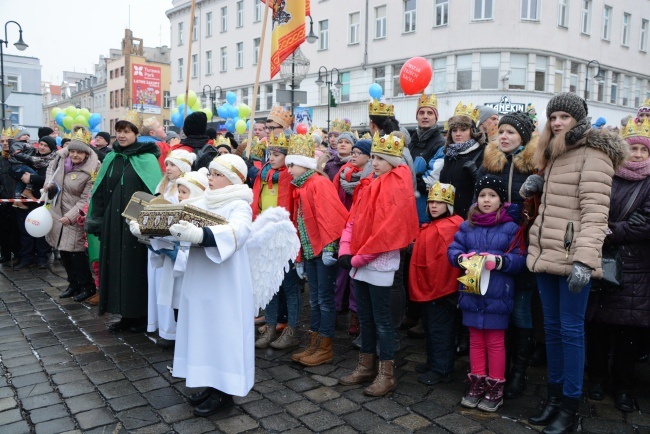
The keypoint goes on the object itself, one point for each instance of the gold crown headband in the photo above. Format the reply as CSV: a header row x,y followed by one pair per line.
x,y
388,145
9,132
301,144
467,110
378,108
82,135
632,129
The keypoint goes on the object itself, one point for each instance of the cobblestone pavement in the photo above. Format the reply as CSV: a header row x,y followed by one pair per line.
x,y
62,371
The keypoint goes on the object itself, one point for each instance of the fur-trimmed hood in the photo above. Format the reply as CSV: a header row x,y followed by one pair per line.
x,y
494,159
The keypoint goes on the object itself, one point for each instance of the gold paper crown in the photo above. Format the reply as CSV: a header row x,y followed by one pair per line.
x,y
428,101
67,136
442,193
279,141
467,110
378,108
313,128
132,116
222,141
281,116
472,278
301,144
82,135
632,129
258,148
389,145
646,103
9,132
341,126
366,136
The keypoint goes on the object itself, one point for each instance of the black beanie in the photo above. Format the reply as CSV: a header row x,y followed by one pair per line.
x,y
212,133
104,135
44,131
195,124
495,183
570,103
50,141
521,122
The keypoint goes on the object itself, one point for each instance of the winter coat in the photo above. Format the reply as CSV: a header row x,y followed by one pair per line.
x,y
453,173
7,183
333,166
101,153
492,310
574,206
74,195
631,305
425,150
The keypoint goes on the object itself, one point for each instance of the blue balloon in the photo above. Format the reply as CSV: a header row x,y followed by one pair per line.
x,y
177,120
94,120
375,91
222,111
248,125
58,141
231,97
233,112
230,125
181,109
235,119
59,119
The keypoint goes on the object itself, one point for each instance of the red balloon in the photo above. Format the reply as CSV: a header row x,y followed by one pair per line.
x,y
301,129
415,75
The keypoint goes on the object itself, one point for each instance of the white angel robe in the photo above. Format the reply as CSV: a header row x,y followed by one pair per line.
x,y
215,344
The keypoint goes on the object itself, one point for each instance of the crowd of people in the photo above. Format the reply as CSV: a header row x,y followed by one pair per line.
x,y
387,223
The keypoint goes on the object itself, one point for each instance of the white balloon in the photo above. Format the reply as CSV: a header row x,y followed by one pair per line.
x,y
38,222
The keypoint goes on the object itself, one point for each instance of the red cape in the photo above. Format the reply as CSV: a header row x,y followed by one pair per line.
x,y
385,216
431,276
323,213
164,151
285,192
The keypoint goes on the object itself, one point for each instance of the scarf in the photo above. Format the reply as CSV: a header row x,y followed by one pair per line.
x,y
271,176
634,171
424,135
222,196
350,177
68,166
453,150
5,155
492,218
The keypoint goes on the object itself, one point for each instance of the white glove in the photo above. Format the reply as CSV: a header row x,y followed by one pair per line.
x,y
300,270
186,231
328,258
134,227
430,181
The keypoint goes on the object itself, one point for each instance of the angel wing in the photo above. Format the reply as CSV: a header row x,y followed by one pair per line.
x,y
272,244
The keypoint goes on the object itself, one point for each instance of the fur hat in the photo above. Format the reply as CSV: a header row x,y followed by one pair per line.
x,y
231,166
495,183
195,124
44,131
364,146
51,142
105,136
521,122
21,132
484,114
570,103
195,182
182,159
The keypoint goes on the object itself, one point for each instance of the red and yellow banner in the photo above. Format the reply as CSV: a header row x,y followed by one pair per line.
x,y
288,29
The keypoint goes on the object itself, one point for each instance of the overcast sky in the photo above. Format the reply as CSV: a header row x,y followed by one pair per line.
x,y
70,36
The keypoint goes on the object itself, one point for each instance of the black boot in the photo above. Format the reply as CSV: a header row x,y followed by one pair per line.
x,y
215,403
538,358
70,292
552,407
566,419
199,398
523,347
86,293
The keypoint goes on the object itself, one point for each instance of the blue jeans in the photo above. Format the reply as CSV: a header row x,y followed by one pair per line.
x,y
373,309
18,171
521,314
439,323
322,313
291,287
564,323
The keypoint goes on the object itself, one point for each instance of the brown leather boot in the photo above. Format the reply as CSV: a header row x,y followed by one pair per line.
x,y
384,382
312,345
323,353
365,370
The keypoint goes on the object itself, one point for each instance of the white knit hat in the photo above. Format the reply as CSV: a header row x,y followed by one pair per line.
x,y
231,166
181,159
195,182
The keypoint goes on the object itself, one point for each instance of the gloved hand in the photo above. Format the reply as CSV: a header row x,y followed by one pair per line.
x,y
429,180
328,258
637,219
465,257
470,167
300,270
419,165
134,227
533,184
345,262
492,262
579,277
186,231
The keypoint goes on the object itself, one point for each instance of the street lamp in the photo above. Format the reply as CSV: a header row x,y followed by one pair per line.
x,y
311,37
293,70
212,94
599,77
21,46
329,80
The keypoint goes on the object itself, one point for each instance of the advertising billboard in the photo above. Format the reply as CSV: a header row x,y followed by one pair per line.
x,y
145,88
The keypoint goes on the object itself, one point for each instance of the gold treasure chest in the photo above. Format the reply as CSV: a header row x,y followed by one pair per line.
x,y
139,200
155,219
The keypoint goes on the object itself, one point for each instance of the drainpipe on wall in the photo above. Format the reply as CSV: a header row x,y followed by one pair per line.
x,y
365,50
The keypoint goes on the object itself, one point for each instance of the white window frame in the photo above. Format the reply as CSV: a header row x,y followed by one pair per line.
x,y
323,35
345,80
541,69
625,95
353,28
464,56
440,75
559,76
574,71
485,14
208,62
195,29
606,32
269,96
441,9
511,84
532,12
224,19
239,55
208,24
643,35
181,69
563,13
240,13
489,68
195,65
625,29
379,79
380,22
13,78
410,17
397,88
257,11
223,59
614,95
256,50
585,17
180,33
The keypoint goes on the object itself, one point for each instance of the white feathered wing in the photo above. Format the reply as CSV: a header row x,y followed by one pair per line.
x,y
272,244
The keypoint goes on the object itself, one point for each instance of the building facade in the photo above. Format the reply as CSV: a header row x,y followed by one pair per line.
x,y
481,51
23,79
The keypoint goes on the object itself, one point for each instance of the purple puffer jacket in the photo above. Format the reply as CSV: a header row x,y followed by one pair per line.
x,y
492,310
333,166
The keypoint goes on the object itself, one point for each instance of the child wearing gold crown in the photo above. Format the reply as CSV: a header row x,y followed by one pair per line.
x,y
489,231
433,284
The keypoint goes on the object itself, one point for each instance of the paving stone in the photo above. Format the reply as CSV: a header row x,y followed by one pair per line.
x,y
340,430
252,396
341,406
503,425
7,403
19,427
363,420
28,380
194,426
101,377
94,418
149,384
85,402
594,425
283,396
55,426
77,388
39,401
48,413
326,381
126,402
321,394
68,377
137,418
389,428
429,409
116,389
237,424
6,392
300,408
458,424
279,422
19,361
284,373
140,373
321,420
261,408
302,384
25,369
176,413
412,422
386,408
162,398
358,396
10,416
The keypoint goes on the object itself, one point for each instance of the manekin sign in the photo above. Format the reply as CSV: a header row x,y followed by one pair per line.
x,y
506,106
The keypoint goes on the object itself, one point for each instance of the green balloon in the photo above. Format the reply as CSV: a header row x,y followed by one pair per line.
x,y
56,111
85,113
180,99
208,113
196,107
244,110
191,99
240,126
80,120
71,111
68,122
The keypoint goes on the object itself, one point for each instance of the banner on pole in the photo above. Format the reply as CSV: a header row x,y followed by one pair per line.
x,y
288,29
145,88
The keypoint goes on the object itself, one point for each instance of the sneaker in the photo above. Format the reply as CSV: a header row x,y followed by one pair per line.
x,y
493,398
432,378
475,392
286,340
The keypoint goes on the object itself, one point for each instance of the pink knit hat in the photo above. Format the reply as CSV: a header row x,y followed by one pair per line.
x,y
639,140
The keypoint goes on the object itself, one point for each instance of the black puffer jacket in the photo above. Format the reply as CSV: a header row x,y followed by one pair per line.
x,y
631,305
453,173
426,149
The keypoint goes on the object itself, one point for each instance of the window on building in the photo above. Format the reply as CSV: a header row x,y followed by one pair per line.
x,y
601,90
607,23
637,95
483,10
643,36
224,19
256,50
195,29
518,71
122,100
257,100
323,35
541,63
240,13
441,13
180,33
585,18
208,62
397,87
614,93
490,70
240,55
269,96
180,69
13,81
380,22
195,65
223,62
244,95
345,90
410,16
208,24
166,99
625,33
379,76
563,13
353,28
559,76
530,10
111,74
573,80
464,72
440,75
110,99
121,71
258,11
627,83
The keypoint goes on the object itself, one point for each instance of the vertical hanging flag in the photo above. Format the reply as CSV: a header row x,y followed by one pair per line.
x,y
288,29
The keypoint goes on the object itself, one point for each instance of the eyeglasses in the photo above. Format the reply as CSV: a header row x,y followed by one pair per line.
x,y
272,128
